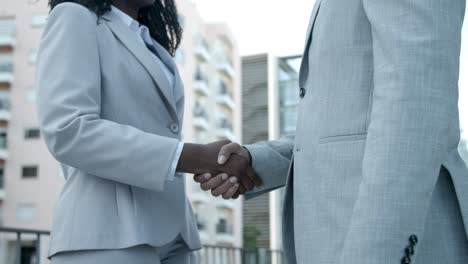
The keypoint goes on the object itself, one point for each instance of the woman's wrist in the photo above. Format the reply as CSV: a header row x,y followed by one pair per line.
x,y
187,158
196,158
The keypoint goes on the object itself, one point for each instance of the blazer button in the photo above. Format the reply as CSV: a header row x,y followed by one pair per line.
x,y
406,260
409,251
302,92
413,240
174,128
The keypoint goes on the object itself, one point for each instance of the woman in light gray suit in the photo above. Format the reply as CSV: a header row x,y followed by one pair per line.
x,y
111,105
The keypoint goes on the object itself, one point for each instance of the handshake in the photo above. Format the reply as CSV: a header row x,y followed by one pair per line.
x,y
222,167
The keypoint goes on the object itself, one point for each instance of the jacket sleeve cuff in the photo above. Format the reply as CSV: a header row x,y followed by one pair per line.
x,y
172,172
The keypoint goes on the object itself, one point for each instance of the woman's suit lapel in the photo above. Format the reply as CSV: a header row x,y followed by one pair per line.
x,y
142,54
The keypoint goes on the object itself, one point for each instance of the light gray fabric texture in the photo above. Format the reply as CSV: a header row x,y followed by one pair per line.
x,y
111,119
376,128
175,252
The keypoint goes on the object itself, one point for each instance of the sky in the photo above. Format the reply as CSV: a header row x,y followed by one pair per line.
x,y
279,27
276,26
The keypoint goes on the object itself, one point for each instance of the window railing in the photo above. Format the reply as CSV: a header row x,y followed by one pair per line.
x,y
209,254
19,233
236,255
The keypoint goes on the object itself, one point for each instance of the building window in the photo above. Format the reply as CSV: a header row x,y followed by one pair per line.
x,y
5,104
222,227
6,63
39,20
7,27
223,88
32,133
225,123
3,138
2,178
29,172
25,212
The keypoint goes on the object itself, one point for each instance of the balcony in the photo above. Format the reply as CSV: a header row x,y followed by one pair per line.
x,y
228,204
199,196
7,33
202,51
225,130
226,101
209,254
8,42
201,88
200,117
225,96
225,134
226,68
6,77
5,115
200,123
205,237
200,85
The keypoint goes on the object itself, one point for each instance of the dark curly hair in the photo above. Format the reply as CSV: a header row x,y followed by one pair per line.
x,y
161,18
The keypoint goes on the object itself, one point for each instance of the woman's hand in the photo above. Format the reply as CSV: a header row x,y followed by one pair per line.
x,y
221,184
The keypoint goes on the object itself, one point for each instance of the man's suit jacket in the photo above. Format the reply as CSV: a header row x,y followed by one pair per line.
x,y
377,130
110,117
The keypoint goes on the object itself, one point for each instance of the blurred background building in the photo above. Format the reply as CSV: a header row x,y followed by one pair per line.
x,y
30,179
270,95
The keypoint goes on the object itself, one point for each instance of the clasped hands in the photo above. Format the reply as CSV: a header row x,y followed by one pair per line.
x,y
222,167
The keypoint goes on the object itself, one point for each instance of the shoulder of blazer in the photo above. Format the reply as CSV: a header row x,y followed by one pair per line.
x,y
74,12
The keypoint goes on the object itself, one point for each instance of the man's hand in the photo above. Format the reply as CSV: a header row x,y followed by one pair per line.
x,y
221,185
198,159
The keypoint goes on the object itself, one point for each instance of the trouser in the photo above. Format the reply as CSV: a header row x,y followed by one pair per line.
x,y
175,252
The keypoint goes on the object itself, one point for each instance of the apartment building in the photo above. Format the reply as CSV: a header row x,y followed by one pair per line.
x,y
209,63
30,179
270,97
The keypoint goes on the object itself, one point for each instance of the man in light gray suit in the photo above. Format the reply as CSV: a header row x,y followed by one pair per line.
x,y
373,174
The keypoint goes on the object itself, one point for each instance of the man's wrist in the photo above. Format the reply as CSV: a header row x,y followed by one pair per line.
x,y
249,156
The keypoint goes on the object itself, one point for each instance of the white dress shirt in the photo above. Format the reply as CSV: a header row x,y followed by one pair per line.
x,y
143,35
